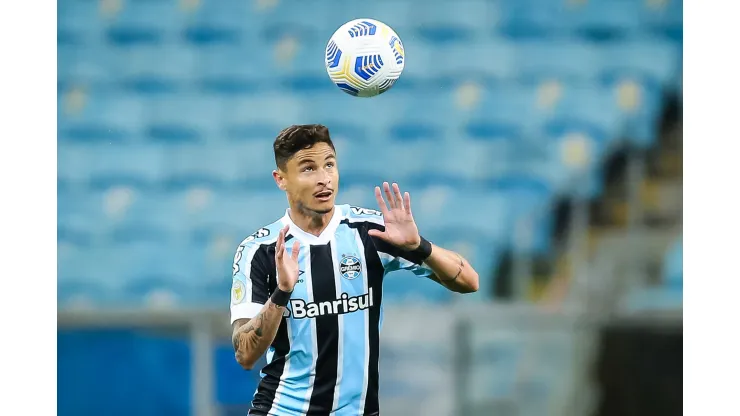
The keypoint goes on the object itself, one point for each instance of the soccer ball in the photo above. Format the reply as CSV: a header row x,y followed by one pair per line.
x,y
364,57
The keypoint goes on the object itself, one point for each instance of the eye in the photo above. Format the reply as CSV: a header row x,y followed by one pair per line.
x,y
330,165
307,169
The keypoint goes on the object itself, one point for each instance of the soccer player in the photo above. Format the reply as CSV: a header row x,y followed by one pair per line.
x,y
308,287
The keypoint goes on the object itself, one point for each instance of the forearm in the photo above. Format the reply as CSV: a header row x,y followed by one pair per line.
x,y
452,271
252,337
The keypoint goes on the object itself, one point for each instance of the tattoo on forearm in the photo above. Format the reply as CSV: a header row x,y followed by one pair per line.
x,y
242,339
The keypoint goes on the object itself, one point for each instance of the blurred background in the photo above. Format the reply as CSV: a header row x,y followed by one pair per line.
x,y
540,138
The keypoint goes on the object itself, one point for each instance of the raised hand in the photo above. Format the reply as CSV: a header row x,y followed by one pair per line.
x,y
287,266
400,228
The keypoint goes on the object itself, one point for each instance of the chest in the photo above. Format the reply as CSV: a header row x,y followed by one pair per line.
x,y
340,277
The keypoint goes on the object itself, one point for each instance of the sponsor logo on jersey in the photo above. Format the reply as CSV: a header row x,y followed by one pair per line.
x,y
237,257
300,309
350,267
261,233
365,211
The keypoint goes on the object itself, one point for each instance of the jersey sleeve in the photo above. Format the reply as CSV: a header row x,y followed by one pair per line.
x,y
249,288
391,257
394,259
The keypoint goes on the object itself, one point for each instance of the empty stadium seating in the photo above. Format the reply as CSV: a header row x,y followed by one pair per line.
x,y
167,110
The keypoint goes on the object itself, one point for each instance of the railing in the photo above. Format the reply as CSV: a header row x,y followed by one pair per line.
x,y
466,359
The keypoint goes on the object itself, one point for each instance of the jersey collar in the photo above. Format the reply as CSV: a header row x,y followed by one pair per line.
x,y
306,238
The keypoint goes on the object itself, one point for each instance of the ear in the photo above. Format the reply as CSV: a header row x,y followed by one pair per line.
x,y
279,179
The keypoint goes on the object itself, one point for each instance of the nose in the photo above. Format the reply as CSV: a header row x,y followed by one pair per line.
x,y
325,177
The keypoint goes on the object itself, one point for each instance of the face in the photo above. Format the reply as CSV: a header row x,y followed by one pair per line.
x,y
311,179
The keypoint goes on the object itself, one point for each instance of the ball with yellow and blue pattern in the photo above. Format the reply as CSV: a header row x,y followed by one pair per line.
x,y
365,57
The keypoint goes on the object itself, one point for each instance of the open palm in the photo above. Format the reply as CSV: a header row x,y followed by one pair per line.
x,y
400,228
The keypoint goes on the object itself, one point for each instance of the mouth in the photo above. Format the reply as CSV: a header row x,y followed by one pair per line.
x,y
324,196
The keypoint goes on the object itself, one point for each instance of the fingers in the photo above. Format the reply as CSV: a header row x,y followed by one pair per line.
x,y
296,250
407,202
381,202
375,233
398,196
391,201
395,198
280,244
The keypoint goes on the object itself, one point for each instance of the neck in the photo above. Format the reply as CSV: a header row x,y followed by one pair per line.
x,y
309,221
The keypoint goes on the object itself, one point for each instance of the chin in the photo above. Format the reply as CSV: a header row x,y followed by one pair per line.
x,y
323,208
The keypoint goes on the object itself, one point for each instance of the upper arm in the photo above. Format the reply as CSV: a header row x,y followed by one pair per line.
x,y
249,287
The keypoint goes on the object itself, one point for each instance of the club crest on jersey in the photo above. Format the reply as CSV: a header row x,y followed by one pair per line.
x,y
350,267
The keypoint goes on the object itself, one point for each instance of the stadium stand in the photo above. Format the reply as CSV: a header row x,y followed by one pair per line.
x,y
167,110
160,96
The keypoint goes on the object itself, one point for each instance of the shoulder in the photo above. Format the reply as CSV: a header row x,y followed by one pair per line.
x,y
264,236
359,215
254,248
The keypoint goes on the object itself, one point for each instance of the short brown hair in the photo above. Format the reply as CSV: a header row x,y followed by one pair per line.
x,y
298,137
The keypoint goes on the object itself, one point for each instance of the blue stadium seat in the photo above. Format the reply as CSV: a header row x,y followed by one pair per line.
x,y
91,275
603,19
156,69
261,117
663,17
418,118
591,104
568,61
442,22
467,209
482,248
653,59
510,107
136,165
181,119
206,166
81,217
297,64
83,66
72,165
526,193
337,108
301,17
157,19
160,273
99,117
211,23
640,101
231,69
576,148
529,18
79,22
493,60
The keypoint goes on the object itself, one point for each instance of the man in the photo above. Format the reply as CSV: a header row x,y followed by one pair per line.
x,y
308,288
